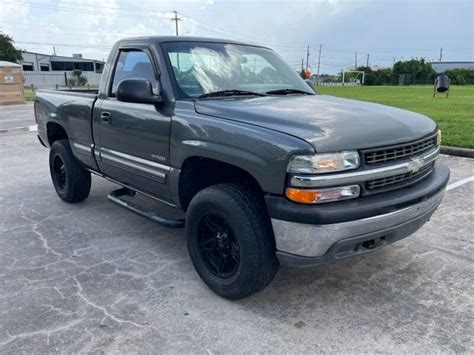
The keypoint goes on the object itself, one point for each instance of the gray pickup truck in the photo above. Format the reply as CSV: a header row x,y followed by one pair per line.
x,y
267,171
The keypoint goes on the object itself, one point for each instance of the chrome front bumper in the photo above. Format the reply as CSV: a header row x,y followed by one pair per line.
x,y
314,243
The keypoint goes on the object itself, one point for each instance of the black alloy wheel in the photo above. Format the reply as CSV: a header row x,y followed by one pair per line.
x,y
218,246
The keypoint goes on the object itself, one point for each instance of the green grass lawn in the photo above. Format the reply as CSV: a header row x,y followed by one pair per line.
x,y
455,115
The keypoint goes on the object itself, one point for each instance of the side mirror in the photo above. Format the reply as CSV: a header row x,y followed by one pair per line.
x,y
138,91
310,84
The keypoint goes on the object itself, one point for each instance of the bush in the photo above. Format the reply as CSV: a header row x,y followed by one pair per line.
x,y
81,80
461,76
378,77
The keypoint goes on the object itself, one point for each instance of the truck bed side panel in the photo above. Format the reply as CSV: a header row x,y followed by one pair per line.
x,y
74,114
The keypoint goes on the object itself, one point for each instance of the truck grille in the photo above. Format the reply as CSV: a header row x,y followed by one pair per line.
x,y
399,152
401,179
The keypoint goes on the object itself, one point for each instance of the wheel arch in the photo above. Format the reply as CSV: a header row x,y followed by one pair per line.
x,y
198,172
55,132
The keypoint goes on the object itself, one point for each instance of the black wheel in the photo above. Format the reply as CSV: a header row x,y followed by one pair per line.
x,y
71,181
230,240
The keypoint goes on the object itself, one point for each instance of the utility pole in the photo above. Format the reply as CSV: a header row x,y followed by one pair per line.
x,y
302,64
176,19
307,58
368,56
441,54
355,60
54,50
319,58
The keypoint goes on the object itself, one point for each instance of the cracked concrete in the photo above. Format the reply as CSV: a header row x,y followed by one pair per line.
x,y
92,277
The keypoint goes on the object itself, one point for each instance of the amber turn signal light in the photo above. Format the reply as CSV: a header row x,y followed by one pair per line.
x,y
302,196
323,195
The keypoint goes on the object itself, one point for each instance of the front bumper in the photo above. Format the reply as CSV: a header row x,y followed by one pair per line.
x,y
303,244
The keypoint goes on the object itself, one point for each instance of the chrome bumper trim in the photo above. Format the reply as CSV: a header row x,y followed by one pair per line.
x,y
315,240
365,175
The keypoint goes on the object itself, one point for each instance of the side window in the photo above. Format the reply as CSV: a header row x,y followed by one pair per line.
x,y
133,64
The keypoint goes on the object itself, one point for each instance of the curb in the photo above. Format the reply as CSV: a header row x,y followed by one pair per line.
x,y
457,152
32,128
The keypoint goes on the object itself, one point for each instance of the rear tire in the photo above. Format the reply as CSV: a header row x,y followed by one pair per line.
x,y
230,240
70,180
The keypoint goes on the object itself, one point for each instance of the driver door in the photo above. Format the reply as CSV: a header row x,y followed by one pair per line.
x,y
134,137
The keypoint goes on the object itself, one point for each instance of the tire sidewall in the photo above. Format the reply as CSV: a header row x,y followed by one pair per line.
x,y
245,231
77,185
57,150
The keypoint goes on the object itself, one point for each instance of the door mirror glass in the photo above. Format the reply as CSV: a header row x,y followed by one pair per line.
x,y
138,91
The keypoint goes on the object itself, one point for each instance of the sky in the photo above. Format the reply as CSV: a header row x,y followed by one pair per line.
x,y
345,30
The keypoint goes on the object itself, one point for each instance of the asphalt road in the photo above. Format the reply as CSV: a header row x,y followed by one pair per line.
x,y
92,277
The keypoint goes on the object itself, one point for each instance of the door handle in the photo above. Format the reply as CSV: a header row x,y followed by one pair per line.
x,y
106,117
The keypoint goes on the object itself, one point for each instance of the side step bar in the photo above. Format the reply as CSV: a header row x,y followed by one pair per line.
x,y
115,197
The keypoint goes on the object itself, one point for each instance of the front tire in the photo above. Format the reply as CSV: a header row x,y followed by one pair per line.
x,y
230,240
70,180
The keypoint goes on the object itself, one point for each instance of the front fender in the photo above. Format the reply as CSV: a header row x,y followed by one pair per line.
x,y
262,152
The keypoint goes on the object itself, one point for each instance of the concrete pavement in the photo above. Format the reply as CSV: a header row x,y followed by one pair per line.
x,y
92,277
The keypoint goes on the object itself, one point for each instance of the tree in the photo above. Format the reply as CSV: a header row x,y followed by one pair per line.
x,y
419,70
80,79
8,51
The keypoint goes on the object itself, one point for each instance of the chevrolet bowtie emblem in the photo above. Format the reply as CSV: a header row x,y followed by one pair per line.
x,y
415,165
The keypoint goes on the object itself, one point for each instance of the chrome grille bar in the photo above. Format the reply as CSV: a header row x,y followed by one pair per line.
x,y
399,152
398,179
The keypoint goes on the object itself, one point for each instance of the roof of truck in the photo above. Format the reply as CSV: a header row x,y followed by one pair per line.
x,y
162,39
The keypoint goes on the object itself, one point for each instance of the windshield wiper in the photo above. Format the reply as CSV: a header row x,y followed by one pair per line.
x,y
287,91
233,92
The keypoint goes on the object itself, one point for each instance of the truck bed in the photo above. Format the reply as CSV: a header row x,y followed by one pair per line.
x,y
92,93
68,113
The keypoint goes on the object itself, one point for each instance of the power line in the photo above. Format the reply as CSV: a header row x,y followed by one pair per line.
x,y
82,11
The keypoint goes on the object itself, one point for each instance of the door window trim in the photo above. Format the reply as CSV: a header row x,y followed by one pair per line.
x,y
125,48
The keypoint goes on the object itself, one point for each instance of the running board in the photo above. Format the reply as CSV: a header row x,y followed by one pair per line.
x,y
115,197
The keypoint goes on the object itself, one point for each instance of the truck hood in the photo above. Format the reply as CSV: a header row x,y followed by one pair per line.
x,y
328,123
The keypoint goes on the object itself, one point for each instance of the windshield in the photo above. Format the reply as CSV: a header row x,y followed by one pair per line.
x,y
204,67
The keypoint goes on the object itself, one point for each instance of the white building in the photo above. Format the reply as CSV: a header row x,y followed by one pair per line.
x,y
44,62
441,67
49,71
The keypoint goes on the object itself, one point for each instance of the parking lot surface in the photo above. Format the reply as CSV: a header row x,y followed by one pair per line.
x,y
92,277
13,117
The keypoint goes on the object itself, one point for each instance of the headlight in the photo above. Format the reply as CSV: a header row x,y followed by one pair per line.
x,y
324,163
323,195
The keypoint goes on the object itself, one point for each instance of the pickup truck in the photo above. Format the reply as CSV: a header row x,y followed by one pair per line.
x,y
267,171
